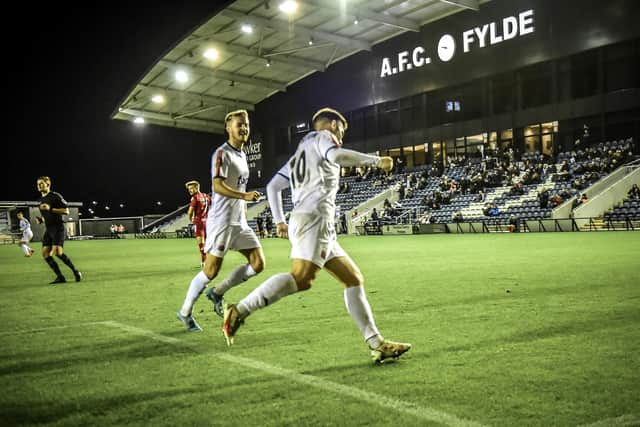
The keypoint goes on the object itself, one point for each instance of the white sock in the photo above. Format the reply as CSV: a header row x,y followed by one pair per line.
x,y
360,311
237,276
196,287
269,291
25,248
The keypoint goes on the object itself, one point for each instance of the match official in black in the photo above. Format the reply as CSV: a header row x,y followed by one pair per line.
x,y
53,207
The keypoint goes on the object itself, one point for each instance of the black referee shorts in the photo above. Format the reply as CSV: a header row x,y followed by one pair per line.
x,y
53,236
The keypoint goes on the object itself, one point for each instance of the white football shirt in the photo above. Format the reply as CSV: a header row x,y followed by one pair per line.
x,y
24,225
230,164
313,178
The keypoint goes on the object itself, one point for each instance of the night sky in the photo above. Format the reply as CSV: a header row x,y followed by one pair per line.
x,y
67,71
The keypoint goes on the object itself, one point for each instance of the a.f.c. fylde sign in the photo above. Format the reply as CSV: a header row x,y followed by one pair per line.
x,y
478,37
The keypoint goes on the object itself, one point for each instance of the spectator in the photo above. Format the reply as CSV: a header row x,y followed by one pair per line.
x,y
514,224
260,226
494,210
374,215
457,217
634,193
268,222
120,229
583,199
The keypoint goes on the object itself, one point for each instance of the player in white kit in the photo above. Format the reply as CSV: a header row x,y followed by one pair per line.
x,y
27,235
313,173
227,226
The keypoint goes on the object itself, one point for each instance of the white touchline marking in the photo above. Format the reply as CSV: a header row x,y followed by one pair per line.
x,y
623,420
143,332
428,414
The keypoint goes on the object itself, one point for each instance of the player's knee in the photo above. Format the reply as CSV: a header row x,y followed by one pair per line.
x,y
358,279
258,265
303,282
210,271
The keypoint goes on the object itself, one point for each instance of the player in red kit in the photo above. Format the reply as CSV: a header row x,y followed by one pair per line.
x,y
198,209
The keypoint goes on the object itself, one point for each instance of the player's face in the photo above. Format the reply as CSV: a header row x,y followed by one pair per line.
x,y
238,128
19,215
192,190
337,127
43,186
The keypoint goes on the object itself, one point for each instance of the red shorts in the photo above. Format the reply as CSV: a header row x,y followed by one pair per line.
x,y
200,228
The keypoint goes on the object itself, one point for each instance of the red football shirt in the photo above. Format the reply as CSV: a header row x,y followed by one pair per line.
x,y
200,203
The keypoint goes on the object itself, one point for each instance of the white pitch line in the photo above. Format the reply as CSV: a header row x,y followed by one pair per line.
x,y
428,414
423,413
143,332
627,420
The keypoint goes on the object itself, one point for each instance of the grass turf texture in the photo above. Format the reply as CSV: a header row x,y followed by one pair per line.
x,y
508,329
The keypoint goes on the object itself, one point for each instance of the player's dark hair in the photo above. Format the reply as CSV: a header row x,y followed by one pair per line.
x,y
44,178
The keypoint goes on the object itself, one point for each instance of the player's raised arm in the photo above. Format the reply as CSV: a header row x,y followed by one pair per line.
x,y
279,182
347,158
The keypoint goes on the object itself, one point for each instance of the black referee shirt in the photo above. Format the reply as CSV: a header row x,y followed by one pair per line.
x,y
54,200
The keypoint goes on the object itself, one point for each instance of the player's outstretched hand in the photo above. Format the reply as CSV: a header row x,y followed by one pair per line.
x,y
386,163
282,230
252,196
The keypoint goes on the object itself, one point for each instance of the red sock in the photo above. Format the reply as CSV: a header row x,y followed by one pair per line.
x,y
202,254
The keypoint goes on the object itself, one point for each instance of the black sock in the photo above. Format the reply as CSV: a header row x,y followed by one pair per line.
x,y
67,261
54,266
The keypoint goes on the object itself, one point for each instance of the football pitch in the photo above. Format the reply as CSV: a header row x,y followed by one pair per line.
x,y
507,330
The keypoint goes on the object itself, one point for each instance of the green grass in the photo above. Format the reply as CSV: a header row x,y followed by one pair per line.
x,y
509,329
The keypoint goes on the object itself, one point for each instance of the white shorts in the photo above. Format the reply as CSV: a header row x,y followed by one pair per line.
x,y
222,237
27,235
313,238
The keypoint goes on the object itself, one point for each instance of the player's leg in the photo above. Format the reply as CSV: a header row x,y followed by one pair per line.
x,y
344,269
302,275
47,254
200,235
200,281
245,241
212,265
26,237
240,274
216,247
23,246
58,250
203,254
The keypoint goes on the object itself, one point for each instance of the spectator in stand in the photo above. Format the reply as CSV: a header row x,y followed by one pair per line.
x,y
634,192
120,229
543,198
556,200
374,215
514,224
269,224
583,199
494,210
457,216
260,226
401,190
